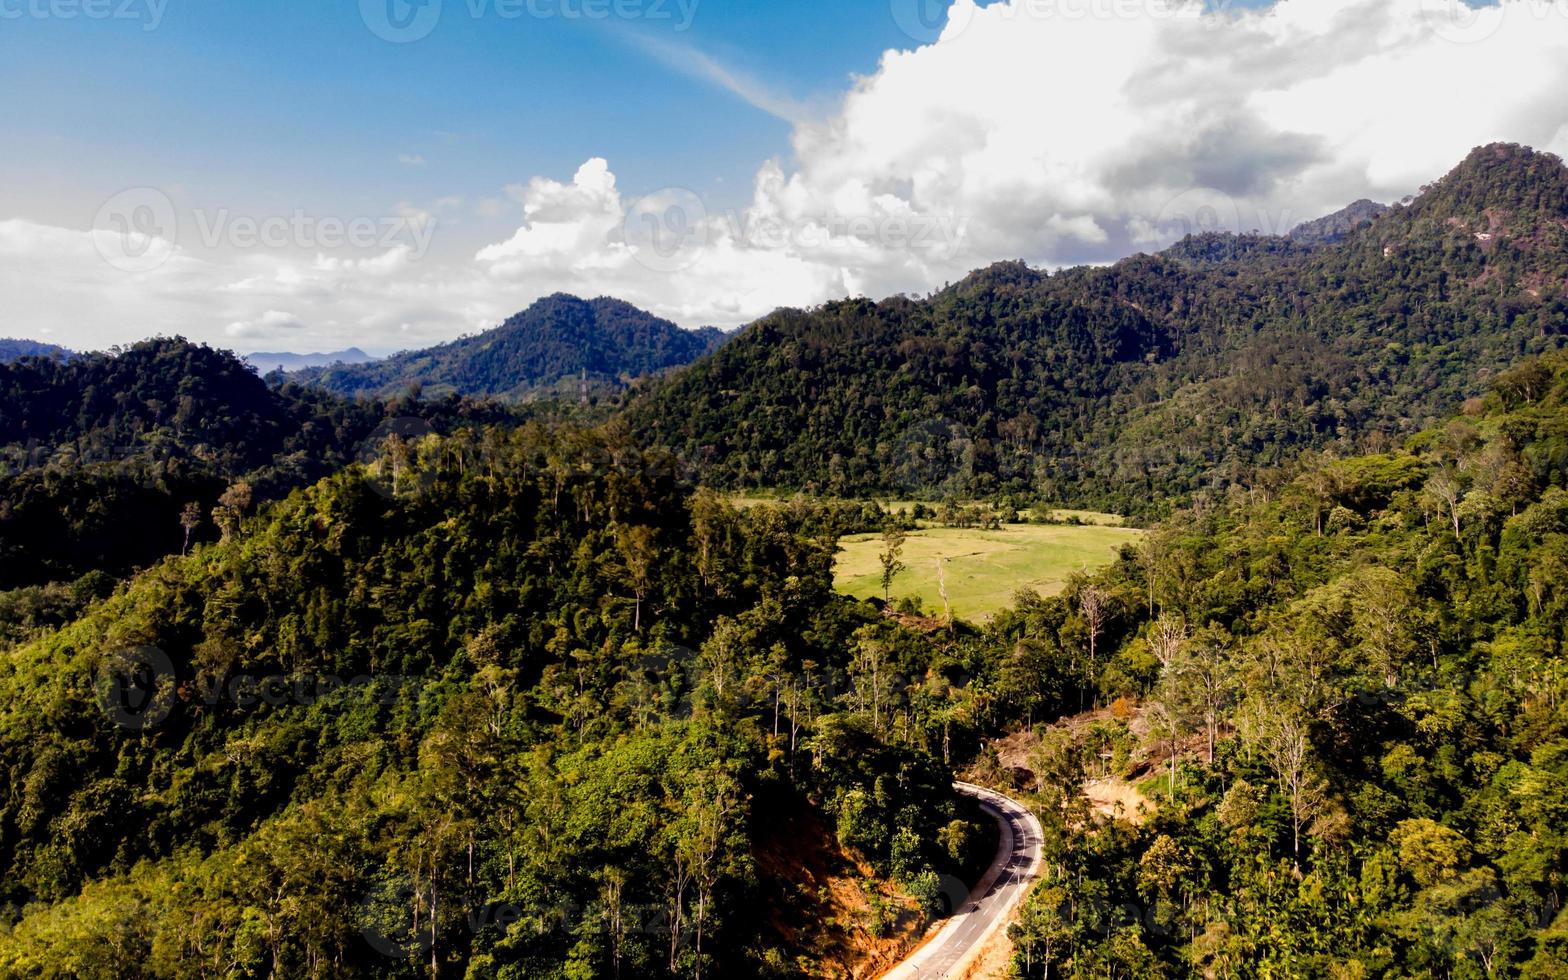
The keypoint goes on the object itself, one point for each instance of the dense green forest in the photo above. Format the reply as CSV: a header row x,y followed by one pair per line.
x,y
1359,675
581,693
1126,387
108,462
548,349
573,689
99,455
296,684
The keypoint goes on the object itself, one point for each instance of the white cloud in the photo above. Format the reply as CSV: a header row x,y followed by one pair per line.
x,y
1068,131
411,159
1058,131
268,325
690,61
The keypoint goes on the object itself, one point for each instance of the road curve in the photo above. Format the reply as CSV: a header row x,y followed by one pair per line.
x,y
991,902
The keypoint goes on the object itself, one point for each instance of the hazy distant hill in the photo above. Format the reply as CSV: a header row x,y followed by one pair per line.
x,y
11,350
1162,374
552,343
267,362
100,453
1334,227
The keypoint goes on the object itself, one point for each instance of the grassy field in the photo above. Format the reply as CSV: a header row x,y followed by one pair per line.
x,y
984,568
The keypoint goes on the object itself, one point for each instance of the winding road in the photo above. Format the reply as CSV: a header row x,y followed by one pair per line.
x,y
991,902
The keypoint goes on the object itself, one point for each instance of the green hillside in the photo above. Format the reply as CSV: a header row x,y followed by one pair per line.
x,y
1121,388
548,349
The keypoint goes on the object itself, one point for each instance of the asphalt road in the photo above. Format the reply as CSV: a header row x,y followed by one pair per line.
x,y
991,902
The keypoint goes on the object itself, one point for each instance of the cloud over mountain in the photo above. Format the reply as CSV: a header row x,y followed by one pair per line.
x,y
1136,121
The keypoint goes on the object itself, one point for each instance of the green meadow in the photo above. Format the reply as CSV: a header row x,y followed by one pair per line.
x,y
984,569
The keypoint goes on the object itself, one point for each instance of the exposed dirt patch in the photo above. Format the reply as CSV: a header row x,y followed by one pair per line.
x,y
833,915
1111,789
1117,799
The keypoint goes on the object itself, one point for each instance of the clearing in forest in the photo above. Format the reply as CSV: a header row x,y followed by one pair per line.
x,y
984,568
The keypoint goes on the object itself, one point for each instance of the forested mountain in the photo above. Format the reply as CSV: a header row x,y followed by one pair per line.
x,y
488,694
1337,226
266,362
14,350
165,396
512,704
582,697
547,348
111,461
1123,387
1352,690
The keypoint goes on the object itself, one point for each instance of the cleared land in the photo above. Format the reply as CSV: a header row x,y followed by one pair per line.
x,y
984,568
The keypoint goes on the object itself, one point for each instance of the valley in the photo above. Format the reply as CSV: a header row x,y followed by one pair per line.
x,y
757,659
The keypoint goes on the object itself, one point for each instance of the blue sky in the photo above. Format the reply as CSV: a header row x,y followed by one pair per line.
x,y
709,163
260,102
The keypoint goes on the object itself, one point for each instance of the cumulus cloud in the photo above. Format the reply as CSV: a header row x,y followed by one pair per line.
x,y
1057,131
1064,131
270,324
1071,131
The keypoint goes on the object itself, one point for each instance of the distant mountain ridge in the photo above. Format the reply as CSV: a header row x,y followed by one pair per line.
x,y
1335,227
548,348
12,349
1126,386
100,453
267,362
